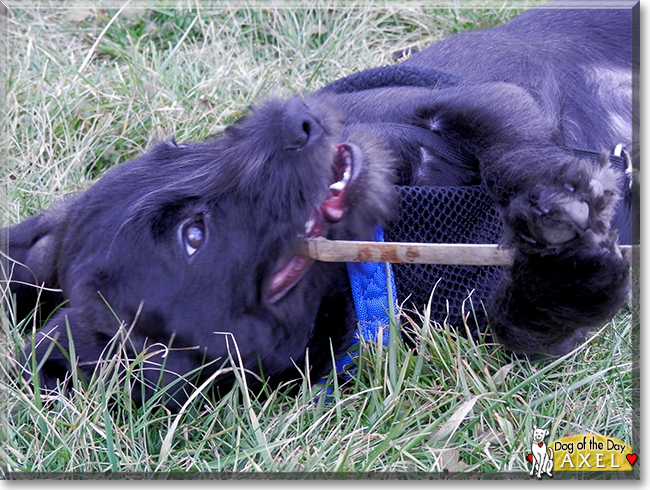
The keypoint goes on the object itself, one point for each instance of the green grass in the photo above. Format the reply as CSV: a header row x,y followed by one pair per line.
x,y
87,90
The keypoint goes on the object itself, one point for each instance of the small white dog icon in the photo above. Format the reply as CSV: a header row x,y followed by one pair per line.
x,y
541,460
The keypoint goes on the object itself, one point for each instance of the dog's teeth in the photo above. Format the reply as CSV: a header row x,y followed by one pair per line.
x,y
309,225
338,186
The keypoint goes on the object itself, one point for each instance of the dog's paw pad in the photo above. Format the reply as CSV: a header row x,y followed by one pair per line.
x,y
558,217
550,216
580,202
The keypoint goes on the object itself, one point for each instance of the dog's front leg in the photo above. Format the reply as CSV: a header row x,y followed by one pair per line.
x,y
543,458
568,273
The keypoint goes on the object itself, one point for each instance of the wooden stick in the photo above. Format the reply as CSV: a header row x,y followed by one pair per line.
x,y
412,253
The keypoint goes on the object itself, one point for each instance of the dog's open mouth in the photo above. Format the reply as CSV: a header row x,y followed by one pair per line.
x,y
332,210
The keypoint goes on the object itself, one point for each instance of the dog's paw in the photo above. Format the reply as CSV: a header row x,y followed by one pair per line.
x,y
575,205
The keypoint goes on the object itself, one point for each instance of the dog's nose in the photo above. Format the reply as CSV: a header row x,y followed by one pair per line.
x,y
299,126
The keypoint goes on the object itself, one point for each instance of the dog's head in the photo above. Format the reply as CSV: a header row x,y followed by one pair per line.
x,y
539,434
194,245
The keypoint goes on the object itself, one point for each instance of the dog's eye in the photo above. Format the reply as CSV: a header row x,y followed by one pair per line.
x,y
193,236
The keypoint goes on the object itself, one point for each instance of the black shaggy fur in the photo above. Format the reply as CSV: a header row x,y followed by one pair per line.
x,y
191,246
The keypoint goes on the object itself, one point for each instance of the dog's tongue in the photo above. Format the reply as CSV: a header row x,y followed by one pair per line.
x,y
287,277
290,273
332,210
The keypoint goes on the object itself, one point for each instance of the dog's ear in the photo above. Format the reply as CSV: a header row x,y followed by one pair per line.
x,y
60,344
547,432
534,427
30,254
46,354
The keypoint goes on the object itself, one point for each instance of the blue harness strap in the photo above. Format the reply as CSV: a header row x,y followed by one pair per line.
x,y
369,283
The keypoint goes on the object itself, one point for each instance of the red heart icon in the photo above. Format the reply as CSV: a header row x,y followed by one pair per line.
x,y
631,458
540,444
530,458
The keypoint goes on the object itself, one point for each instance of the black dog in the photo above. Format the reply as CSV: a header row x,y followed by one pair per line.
x,y
192,246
